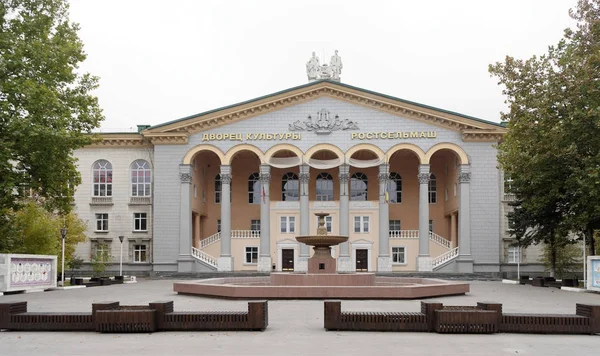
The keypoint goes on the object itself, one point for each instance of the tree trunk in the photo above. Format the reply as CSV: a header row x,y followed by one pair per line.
x,y
592,251
553,255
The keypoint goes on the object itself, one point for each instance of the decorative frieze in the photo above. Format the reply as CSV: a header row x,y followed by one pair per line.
x,y
226,178
185,177
424,178
464,177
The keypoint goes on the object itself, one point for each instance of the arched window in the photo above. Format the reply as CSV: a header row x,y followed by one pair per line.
x,y
394,188
218,188
324,187
254,189
432,189
358,187
289,187
141,178
102,178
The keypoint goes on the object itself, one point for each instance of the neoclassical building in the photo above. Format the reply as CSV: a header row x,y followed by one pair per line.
x,y
416,188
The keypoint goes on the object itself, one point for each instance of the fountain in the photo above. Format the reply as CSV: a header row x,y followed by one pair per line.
x,y
322,281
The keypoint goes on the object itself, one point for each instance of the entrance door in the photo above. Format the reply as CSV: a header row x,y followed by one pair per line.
x,y
362,260
287,259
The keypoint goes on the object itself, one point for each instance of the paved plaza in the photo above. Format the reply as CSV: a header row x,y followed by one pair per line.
x,y
296,326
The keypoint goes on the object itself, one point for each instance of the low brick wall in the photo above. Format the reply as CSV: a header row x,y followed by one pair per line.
x,y
485,317
111,317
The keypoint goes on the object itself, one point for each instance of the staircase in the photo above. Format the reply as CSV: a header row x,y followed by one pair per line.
x,y
442,260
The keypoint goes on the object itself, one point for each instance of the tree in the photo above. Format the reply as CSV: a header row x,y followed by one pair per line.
x,y
552,149
46,110
34,230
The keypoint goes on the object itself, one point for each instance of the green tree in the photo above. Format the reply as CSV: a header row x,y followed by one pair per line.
x,y
34,230
552,149
46,110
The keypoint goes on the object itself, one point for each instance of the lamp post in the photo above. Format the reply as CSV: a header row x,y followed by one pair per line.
x,y
121,257
63,234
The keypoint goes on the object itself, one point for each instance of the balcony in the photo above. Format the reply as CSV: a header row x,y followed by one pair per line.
x,y
101,201
140,201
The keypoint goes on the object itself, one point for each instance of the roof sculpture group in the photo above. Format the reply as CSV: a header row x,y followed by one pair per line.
x,y
316,71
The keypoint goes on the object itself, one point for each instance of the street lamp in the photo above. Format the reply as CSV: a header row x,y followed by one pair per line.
x,y
63,234
121,258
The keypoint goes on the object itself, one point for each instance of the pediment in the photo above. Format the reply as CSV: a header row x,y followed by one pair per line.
x,y
178,131
287,241
361,241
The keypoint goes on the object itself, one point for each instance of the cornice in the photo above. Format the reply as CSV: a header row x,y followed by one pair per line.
x,y
483,136
167,138
109,140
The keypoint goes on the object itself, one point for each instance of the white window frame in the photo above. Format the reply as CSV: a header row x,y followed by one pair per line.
x,y
99,249
142,183
287,224
365,224
514,256
102,218
250,249
254,223
104,168
432,189
137,253
328,223
394,223
404,250
140,217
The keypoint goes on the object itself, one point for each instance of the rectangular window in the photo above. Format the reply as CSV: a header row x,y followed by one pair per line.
x,y
218,197
102,252
140,222
255,225
288,224
219,225
101,222
399,255
395,225
140,253
511,222
251,255
328,223
513,254
431,225
361,224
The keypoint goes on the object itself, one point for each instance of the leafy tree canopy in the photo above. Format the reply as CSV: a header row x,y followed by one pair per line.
x,y
46,109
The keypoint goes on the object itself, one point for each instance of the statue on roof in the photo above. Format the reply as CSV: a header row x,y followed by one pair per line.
x,y
330,71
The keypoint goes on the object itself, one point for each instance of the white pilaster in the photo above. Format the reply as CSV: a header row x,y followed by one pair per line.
x,y
264,259
225,262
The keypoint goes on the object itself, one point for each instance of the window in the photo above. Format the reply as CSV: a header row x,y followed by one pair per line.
x,y
394,188
289,187
140,222
324,187
102,176
395,225
251,255
288,224
432,189
218,187
219,225
102,252
514,255
139,253
508,181
328,222
101,222
361,224
399,255
511,222
254,189
255,225
141,178
195,191
358,187
430,225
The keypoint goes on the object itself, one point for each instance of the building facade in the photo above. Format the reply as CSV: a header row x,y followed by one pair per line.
x,y
415,188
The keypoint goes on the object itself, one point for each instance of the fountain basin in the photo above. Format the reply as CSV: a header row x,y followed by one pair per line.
x,y
321,286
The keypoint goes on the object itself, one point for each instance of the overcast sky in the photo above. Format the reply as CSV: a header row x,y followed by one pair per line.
x,y
164,60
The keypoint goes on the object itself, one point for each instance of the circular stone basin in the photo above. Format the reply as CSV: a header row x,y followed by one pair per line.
x,y
322,286
322,240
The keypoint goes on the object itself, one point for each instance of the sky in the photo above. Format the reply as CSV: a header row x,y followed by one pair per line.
x,y
163,60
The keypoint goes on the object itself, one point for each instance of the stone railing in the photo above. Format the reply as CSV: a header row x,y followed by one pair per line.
x,y
140,200
210,240
443,258
101,201
404,234
204,257
440,240
509,197
245,234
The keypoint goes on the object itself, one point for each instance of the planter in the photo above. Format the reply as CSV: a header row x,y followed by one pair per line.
x,y
126,320
118,278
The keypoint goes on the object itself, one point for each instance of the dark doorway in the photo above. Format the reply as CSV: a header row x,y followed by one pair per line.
x,y
287,259
362,260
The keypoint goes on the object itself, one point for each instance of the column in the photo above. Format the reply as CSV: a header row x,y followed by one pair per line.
x,y
225,262
304,177
344,261
453,230
465,260
384,262
185,261
264,258
424,262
